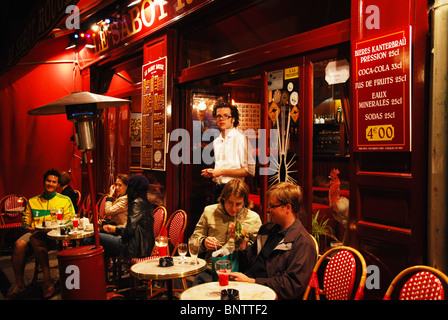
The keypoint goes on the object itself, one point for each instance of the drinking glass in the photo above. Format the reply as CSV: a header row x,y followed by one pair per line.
x,y
193,245
182,248
53,213
162,243
75,223
223,269
59,215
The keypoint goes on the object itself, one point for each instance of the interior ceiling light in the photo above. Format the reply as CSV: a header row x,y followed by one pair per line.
x,y
71,45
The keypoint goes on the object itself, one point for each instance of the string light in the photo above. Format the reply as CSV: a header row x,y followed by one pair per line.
x,y
134,3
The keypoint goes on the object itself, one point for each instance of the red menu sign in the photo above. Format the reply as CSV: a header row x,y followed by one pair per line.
x,y
382,92
153,154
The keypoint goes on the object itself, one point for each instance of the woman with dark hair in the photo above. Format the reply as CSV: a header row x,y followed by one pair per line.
x,y
136,239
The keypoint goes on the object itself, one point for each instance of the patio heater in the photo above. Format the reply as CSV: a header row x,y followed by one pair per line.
x,y
82,108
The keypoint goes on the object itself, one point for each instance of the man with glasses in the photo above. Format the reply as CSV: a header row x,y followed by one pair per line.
x,y
284,254
233,155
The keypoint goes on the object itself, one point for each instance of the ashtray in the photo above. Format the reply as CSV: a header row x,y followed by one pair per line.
x,y
166,262
230,294
65,231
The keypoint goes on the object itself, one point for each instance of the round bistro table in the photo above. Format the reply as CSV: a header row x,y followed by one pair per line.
x,y
150,270
212,291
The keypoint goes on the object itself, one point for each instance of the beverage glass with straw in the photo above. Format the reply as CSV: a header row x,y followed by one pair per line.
x,y
75,223
59,215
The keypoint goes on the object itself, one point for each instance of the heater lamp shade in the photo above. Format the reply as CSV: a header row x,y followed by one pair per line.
x,y
76,98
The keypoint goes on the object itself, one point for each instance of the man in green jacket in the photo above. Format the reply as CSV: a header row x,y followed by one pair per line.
x,y
37,210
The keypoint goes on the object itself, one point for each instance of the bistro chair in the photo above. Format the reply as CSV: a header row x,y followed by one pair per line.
x,y
345,265
176,227
11,210
85,210
79,198
101,207
418,283
317,247
160,216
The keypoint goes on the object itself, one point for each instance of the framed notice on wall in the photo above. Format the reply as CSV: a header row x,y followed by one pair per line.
x,y
382,92
153,131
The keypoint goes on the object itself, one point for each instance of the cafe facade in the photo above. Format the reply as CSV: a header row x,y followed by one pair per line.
x,y
346,85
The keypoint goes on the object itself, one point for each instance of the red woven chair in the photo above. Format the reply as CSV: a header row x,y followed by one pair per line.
x,y
345,266
85,210
316,245
160,215
176,227
101,207
11,210
418,283
78,203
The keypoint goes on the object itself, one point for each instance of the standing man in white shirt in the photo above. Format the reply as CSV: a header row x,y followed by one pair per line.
x,y
233,154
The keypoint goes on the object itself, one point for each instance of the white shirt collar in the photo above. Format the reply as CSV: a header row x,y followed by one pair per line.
x,y
229,133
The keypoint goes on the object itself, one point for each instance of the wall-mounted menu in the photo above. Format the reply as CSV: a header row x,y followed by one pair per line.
x,y
153,155
382,95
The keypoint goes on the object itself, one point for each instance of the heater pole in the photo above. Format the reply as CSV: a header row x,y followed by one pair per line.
x,y
89,162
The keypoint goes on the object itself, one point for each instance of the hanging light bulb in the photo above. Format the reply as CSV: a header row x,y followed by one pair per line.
x,y
95,28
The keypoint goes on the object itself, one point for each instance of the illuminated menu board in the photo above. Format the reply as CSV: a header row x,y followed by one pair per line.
x,y
382,92
153,155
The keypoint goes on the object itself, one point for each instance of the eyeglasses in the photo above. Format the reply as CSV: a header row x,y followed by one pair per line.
x,y
223,116
273,206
